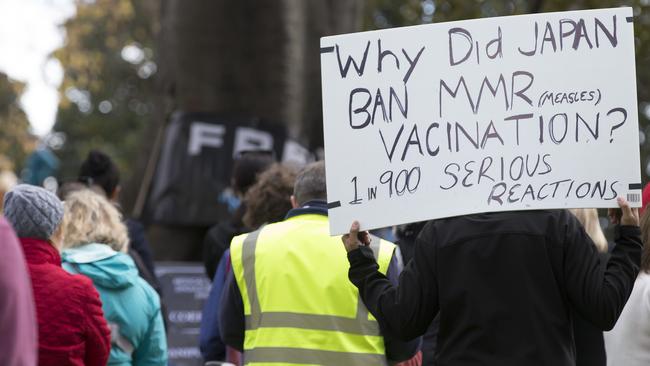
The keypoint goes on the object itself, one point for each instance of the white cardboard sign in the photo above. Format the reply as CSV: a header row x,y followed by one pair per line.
x,y
509,113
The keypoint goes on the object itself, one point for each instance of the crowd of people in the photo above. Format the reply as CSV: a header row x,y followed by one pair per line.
x,y
540,287
78,293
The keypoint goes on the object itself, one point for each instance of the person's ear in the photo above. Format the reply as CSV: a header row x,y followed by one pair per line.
x,y
294,203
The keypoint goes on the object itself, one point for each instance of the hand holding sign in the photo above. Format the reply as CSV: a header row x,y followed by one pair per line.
x,y
625,215
511,113
354,239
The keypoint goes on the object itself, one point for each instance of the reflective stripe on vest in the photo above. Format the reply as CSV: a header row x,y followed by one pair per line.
x,y
274,333
312,357
360,325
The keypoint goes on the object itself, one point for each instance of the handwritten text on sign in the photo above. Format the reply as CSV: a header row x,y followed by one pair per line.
x,y
522,112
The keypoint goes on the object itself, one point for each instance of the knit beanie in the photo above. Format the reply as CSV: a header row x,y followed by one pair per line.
x,y
33,211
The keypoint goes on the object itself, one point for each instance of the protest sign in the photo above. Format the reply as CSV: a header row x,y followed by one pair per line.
x,y
509,113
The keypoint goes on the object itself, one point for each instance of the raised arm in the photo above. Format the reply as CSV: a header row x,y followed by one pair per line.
x,y
597,293
405,310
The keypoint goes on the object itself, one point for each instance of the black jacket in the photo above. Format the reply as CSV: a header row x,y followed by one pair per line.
x,y
505,285
140,252
407,235
218,238
590,344
143,259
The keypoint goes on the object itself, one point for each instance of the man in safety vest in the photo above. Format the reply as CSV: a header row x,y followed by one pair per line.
x,y
287,299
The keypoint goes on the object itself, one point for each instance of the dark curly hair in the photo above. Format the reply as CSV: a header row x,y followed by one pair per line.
x,y
99,169
268,200
247,166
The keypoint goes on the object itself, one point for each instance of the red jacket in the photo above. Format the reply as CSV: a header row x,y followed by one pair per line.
x,y
72,330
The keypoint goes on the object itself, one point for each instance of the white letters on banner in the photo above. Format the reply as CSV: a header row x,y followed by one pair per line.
x,y
251,139
204,134
510,113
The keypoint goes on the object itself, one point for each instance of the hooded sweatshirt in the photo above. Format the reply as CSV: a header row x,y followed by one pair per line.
x,y
131,306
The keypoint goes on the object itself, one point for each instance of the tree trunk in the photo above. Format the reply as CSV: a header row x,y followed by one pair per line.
x,y
246,58
254,58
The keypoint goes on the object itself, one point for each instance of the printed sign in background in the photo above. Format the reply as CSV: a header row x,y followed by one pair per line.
x,y
185,288
509,113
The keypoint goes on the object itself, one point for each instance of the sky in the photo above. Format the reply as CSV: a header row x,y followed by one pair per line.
x,y
29,32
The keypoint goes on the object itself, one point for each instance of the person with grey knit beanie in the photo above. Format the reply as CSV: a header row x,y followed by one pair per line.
x,y
68,307
34,213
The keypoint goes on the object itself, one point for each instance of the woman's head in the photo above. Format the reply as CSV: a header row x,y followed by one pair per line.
x,y
99,169
34,213
269,199
247,166
91,218
589,219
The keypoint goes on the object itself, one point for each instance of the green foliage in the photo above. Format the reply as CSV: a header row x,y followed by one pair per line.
x,y
107,90
386,13
16,142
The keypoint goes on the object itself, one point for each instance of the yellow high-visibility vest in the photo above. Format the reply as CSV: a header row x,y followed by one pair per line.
x,y
299,306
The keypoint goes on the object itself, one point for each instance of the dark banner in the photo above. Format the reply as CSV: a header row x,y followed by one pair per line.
x,y
196,162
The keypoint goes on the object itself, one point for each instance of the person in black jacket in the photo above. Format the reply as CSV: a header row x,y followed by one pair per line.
x,y
504,284
246,168
101,174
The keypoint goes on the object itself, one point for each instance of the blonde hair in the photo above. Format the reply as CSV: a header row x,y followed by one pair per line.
x,y
8,180
589,219
91,218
